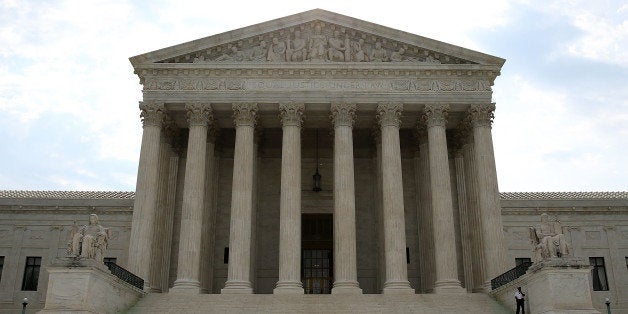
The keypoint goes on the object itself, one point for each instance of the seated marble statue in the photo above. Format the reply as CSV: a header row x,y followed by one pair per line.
x,y
89,241
548,239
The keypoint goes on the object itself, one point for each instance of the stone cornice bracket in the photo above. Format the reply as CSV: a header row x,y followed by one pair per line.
x,y
481,115
199,114
152,114
389,115
342,114
245,114
291,114
435,115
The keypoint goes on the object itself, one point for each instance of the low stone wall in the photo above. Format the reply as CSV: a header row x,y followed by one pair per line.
x,y
87,289
558,285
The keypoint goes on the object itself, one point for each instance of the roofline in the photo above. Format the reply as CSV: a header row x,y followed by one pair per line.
x,y
311,15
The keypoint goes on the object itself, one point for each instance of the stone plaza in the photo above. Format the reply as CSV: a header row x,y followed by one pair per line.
x,y
315,154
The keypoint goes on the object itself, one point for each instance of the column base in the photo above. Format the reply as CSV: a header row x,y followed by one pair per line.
x,y
237,287
346,287
448,286
397,287
186,286
289,287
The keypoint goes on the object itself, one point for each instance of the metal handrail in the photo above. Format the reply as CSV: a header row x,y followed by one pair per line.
x,y
125,275
510,275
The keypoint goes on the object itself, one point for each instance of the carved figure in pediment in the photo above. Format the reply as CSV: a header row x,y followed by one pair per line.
x,y
397,56
199,59
277,51
317,46
258,53
357,51
298,51
233,55
337,48
430,59
548,239
378,54
90,241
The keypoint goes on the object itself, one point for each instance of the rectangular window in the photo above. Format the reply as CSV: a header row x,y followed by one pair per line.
x,y
522,260
598,274
627,262
225,257
31,273
407,255
109,260
2,266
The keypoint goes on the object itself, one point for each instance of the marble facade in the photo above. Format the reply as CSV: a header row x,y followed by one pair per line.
x,y
236,124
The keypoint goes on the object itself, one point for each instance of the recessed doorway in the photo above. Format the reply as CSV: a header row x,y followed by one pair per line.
x,y
317,254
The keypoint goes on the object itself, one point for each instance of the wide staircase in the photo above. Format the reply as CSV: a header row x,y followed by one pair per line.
x,y
366,303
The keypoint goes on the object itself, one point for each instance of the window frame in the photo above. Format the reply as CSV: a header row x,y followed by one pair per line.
x,y
30,278
599,278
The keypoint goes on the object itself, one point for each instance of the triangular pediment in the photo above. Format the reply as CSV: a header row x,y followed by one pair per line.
x,y
316,36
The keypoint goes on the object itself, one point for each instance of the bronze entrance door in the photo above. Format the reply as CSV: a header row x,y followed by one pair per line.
x,y
317,254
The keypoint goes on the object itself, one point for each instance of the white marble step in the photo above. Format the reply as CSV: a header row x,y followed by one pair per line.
x,y
367,303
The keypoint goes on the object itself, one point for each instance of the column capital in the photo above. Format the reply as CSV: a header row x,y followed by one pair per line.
x,y
435,115
212,134
389,114
198,114
342,114
291,114
245,114
152,114
420,132
481,115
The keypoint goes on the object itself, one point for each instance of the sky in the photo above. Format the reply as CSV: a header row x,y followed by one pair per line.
x,y
69,117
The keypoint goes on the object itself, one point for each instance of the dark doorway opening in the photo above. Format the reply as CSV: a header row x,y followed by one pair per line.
x,y
317,256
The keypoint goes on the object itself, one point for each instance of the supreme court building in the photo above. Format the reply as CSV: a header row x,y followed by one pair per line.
x,y
398,127
316,154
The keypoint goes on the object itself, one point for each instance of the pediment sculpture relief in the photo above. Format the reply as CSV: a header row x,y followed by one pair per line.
x,y
548,240
89,241
317,42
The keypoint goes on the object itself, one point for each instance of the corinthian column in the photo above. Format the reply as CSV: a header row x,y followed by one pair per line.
x,y
188,269
290,203
345,266
435,117
144,208
488,195
392,194
239,281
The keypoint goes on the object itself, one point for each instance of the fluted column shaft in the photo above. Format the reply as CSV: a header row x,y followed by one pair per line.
x,y
426,229
435,117
290,201
481,119
207,238
188,269
144,207
463,218
345,264
392,194
239,281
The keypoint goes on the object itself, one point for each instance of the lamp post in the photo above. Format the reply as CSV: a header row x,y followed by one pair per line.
x,y
608,306
25,303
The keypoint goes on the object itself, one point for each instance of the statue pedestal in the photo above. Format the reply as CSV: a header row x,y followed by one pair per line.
x,y
558,285
86,286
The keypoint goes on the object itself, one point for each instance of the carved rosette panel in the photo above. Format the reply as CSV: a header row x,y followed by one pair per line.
x,y
481,115
152,114
435,115
389,115
291,114
245,114
198,114
343,114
